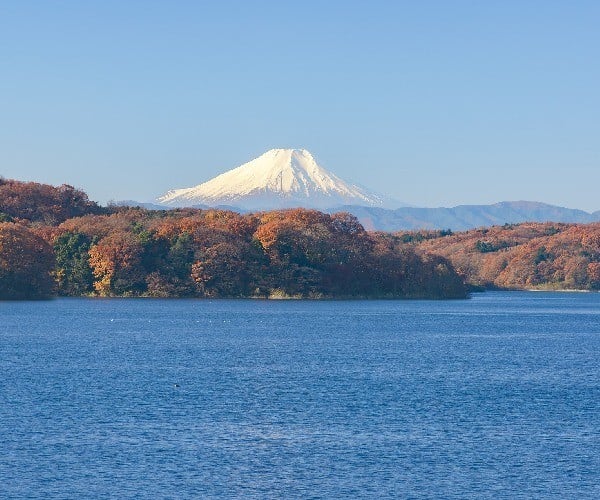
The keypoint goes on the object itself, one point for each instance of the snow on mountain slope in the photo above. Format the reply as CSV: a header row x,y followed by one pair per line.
x,y
279,178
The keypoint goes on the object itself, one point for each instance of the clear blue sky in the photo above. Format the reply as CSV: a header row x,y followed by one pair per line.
x,y
436,103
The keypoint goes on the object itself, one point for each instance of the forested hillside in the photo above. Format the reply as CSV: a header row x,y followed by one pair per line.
x,y
55,241
36,202
519,256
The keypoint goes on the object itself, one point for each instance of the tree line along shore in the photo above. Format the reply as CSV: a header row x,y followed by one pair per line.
x,y
55,241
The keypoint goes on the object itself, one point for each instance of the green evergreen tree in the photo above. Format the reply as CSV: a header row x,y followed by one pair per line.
x,y
73,272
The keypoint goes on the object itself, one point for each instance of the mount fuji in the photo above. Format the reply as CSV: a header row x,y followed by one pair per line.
x,y
279,178
290,178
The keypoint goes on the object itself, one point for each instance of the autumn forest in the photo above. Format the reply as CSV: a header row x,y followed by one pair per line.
x,y
55,241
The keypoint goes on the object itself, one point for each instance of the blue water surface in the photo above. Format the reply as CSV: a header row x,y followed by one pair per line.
x,y
493,397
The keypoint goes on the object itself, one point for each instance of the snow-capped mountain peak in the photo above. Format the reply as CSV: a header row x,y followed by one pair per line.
x,y
278,178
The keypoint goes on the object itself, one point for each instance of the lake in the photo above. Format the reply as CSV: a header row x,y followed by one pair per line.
x,y
496,396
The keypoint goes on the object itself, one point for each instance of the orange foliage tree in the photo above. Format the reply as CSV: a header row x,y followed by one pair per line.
x,y
26,264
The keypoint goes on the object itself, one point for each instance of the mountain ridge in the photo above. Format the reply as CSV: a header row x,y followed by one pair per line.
x,y
465,217
458,218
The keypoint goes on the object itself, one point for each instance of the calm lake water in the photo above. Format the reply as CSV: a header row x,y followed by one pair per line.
x,y
497,396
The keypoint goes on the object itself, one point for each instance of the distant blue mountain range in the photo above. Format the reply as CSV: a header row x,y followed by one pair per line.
x,y
465,217
458,218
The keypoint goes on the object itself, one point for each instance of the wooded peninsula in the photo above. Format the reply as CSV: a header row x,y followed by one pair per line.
x,y
55,241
